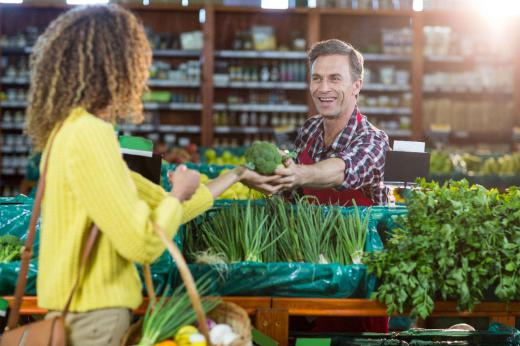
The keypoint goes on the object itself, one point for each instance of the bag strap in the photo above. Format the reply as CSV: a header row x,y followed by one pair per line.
x,y
27,252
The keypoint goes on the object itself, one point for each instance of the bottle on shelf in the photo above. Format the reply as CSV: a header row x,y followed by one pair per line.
x,y
265,74
253,119
275,72
244,119
264,119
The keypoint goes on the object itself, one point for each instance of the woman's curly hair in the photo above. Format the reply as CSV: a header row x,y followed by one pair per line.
x,y
95,57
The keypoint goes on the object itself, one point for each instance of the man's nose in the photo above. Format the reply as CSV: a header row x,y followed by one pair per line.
x,y
324,86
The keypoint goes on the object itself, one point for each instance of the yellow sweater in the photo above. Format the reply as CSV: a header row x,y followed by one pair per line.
x,y
87,180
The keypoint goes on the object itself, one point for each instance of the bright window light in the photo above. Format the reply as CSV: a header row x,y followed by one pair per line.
x,y
202,16
185,2
275,4
311,3
498,8
86,2
418,5
11,1
146,2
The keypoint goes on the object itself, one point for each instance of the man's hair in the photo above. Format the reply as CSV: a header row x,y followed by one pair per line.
x,y
334,46
93,57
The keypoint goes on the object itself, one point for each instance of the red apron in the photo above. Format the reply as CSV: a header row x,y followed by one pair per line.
x,y
344,198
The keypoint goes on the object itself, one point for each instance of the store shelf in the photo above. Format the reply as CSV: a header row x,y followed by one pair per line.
x,y
176,53
164,83
138,128
464,90
398,133
366,12
11,126
263,85
261,108
13,104
16,149
16,50
15,80
14,173
385,110
149,128
385,87
172,106
465,59
386,57
243,129
179,128
256,10
253,54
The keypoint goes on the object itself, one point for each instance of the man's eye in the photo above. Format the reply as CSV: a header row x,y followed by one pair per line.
x,y
316,78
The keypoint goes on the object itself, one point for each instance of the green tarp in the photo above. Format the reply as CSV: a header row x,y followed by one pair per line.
x,y
267,279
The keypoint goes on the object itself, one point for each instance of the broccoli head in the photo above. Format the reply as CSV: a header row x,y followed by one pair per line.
x,y
263,157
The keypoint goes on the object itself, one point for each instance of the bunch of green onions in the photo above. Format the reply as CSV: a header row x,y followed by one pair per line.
x,y
163,320
279,232
234,234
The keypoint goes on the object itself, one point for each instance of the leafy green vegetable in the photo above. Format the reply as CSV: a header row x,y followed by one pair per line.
x,y
10,248
263,157
458,242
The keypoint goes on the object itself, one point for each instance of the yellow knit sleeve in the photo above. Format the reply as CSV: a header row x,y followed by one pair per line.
x,y
199,203
150,192
102,184
153,194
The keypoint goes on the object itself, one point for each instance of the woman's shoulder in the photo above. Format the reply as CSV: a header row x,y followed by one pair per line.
x,y
80,121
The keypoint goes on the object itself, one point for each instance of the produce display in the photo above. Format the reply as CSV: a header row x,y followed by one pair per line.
x,y
10,248
278,232
458,242
235,191
226,158
443,162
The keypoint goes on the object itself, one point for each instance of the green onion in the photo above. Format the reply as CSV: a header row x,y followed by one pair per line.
x,y
169,314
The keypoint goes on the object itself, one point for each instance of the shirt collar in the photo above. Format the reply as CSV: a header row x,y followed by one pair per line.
x,y
345,136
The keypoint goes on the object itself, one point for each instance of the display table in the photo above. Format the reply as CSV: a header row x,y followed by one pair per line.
x,y
270,315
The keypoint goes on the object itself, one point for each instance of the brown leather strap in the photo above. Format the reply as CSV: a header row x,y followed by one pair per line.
x,y
28,247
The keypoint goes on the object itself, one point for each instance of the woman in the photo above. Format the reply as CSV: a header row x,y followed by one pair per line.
x,y
89,68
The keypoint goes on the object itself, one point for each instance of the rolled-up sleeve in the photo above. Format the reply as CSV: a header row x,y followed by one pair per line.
x,y
364,161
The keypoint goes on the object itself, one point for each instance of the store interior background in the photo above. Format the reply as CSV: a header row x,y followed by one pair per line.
x,y
226,73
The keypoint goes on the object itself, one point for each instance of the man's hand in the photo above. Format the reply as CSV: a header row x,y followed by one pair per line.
x,y
290,177
262,183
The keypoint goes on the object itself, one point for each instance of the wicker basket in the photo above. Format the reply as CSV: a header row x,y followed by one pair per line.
x,y
228,313
237,318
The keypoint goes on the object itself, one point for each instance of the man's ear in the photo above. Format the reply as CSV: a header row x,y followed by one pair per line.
x,y
357,87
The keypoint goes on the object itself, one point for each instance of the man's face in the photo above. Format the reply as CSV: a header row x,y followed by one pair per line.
x,y
331,87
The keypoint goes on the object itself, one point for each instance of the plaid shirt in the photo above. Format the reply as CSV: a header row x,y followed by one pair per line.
x,y
361,145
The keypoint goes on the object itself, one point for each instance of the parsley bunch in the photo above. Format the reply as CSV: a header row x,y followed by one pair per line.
x,y
458,242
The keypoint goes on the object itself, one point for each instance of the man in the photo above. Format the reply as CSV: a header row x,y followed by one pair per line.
x,y
341,156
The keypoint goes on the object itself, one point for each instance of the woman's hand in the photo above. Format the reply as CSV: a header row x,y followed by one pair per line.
x,y
262,183
185,182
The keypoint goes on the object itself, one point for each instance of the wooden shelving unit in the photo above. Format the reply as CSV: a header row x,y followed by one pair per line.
x,y
363,28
